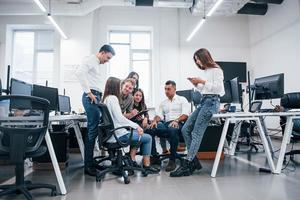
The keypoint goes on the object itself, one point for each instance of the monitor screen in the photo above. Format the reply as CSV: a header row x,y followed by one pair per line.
x,y
236,90
18,87
0,87
64,105
234,69
185,93
226,98
269,87
51,94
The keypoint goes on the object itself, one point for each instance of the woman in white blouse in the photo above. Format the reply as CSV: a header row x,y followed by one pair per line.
x,y
211,86
111,99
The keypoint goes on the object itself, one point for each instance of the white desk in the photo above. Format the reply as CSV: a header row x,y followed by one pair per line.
x,y
235,117
73,121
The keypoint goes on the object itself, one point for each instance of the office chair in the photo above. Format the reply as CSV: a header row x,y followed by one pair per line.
x,y
291,101
120,164
23,125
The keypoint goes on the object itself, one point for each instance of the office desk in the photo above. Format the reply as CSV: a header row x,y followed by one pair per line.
x,y
258,118
71,120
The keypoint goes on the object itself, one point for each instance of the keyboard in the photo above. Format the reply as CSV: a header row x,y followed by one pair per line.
x,y
266,110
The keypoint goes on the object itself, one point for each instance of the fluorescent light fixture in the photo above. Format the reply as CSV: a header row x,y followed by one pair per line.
x,y
196,29
57,27
40,5
213,9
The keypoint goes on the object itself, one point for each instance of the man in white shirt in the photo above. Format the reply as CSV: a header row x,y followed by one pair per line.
x,y
90,76
171,115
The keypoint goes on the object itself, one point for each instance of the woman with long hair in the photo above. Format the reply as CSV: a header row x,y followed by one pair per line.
x,y
135,76
140,105
111,99
212,87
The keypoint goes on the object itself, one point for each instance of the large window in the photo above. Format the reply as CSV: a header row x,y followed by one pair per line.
x,y
133,53
32,59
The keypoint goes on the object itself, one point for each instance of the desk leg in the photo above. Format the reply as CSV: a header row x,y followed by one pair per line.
x,y
285,140
79,138
266,144
235,137
220,148
57,171
267,135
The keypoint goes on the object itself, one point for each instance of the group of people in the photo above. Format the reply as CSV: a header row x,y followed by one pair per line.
x,y
125,100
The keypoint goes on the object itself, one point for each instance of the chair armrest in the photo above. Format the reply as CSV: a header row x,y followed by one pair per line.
x,y
118,140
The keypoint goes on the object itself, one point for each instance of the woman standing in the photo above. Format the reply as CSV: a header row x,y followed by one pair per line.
x,y
211,86
111,99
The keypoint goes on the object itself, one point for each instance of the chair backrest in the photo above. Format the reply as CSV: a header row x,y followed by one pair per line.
x,y
106,124
290,100
23,124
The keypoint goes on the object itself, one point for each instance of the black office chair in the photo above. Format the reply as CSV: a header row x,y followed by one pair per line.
x,y
23,125
291,101
120,164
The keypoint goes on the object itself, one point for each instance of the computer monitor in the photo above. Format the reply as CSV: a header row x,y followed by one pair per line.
x,y
226,98
18,87
64,104
234,69
49,93
269,87
236,90
185,93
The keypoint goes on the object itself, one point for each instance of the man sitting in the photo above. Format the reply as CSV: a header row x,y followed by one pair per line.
x,y
171,115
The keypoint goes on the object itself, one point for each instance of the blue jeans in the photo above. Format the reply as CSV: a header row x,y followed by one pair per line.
x,y
145,142
164,131
93,115
194,128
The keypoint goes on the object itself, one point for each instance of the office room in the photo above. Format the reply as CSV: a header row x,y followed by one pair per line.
x,y
152,99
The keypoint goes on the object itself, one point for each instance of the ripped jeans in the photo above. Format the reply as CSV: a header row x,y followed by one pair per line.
x,y
194,128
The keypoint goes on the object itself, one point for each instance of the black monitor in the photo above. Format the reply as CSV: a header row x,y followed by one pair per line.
x,y
18,87
234,69
185,93
64,104
49,93
236,91
226,98
269,87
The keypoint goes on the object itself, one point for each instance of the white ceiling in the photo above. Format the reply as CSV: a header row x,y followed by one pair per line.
x,y
84,7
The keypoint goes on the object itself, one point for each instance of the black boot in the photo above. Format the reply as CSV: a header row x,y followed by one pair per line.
x,y
186,169
196,164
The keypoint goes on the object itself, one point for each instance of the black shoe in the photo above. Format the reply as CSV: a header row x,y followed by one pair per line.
x,y
154,160
151,170
196,164
90,171
185,170
171,166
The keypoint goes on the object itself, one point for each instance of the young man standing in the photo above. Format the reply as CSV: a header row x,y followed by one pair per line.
x,y
90,75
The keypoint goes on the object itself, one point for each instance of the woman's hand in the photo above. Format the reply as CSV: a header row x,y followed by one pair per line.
x,y
140,131
145,123
196,81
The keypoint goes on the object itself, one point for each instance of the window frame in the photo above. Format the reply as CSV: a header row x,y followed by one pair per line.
x,y
130,31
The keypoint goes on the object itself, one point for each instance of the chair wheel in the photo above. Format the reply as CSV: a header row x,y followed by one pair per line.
x,y
126,180
53,193
145,174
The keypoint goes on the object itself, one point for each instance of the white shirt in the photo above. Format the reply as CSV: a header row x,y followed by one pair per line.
x,y
214,82
118,118
91,74
170,110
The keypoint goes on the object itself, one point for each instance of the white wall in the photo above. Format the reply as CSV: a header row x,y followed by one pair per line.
x,y
275,45
227,39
